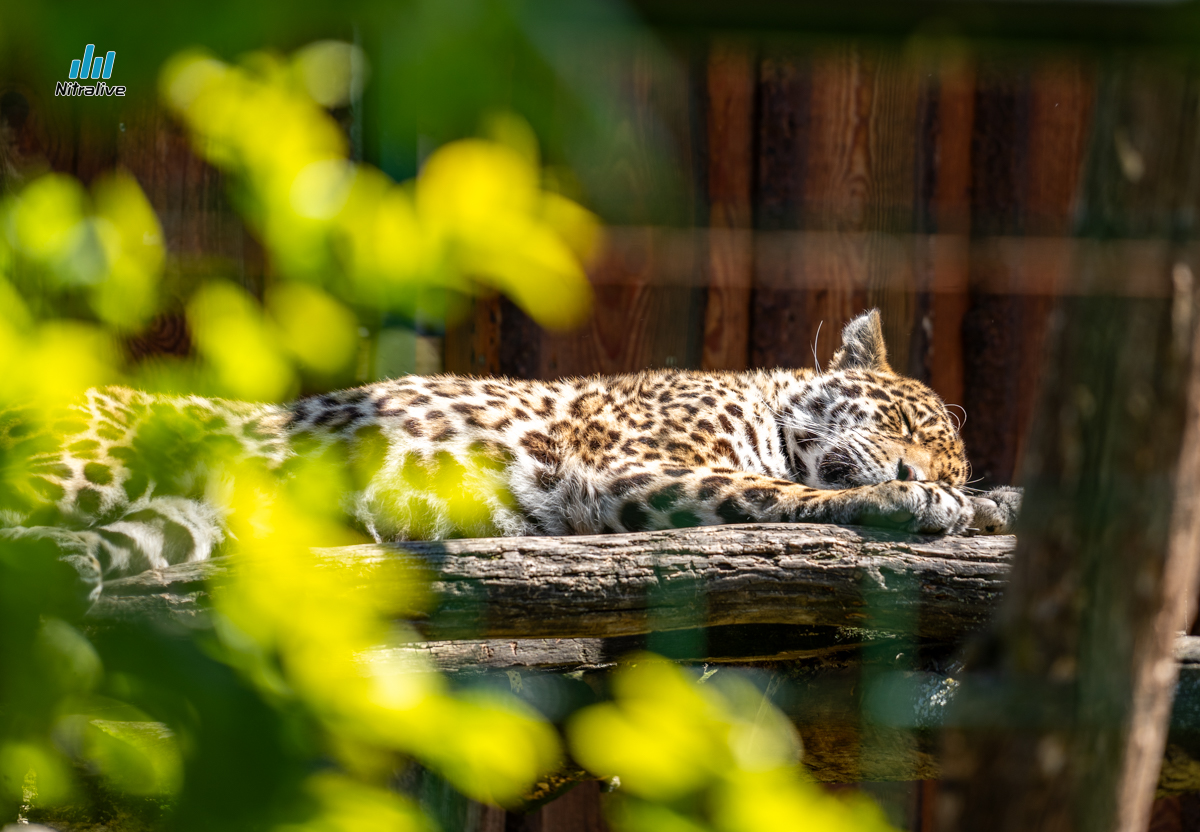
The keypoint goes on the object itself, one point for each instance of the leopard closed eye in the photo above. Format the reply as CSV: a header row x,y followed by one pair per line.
x,y
854,444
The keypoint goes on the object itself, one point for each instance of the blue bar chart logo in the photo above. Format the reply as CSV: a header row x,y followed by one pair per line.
x,y
91,67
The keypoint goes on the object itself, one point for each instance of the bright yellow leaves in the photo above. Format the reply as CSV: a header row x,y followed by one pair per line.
x,y
345,805
80,270
102,251
47,222
475,219
105,249
132,241
716,757
662,736
301,627
320,332
482,200
110,246
52,363
236,340
252,352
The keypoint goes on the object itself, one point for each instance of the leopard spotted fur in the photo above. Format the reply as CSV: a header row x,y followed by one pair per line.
x,y
855,444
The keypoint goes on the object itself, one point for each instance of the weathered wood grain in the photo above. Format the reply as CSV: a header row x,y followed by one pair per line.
x,y
1029,159
627,584
637,322
730,644
944,168
731,80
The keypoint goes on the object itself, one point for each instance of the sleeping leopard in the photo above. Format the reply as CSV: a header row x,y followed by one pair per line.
x,y
127,485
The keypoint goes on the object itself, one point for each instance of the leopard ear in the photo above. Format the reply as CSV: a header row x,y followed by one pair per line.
x,y
862,346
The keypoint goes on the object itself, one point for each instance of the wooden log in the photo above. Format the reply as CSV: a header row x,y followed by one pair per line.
x,y
626,584
896,719
889,729
731,644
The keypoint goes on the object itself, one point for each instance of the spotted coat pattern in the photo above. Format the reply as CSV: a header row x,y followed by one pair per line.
x,y
855,444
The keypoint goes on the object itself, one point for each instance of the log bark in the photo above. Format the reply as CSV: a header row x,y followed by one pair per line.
x,y
937,588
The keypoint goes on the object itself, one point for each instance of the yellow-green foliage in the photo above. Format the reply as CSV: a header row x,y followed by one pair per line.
x,y
80,270
269,713
476,217
711,757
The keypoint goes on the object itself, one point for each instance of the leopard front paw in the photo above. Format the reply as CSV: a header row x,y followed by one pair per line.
x,y
920,507
996,511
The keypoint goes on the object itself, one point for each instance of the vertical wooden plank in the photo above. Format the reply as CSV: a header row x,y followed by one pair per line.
x,y
949,212
489,819
520,343
893,147
837,182
202,233
731,79
1028,158
96,152
473,347
639,318
200,229
926,807
576,811
1062,94
830,92
779,334
991,325
838,135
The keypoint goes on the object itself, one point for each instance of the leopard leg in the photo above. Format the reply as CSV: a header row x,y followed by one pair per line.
x,y
676,498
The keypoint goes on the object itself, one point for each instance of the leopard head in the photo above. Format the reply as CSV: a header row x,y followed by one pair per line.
x,y
861,423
